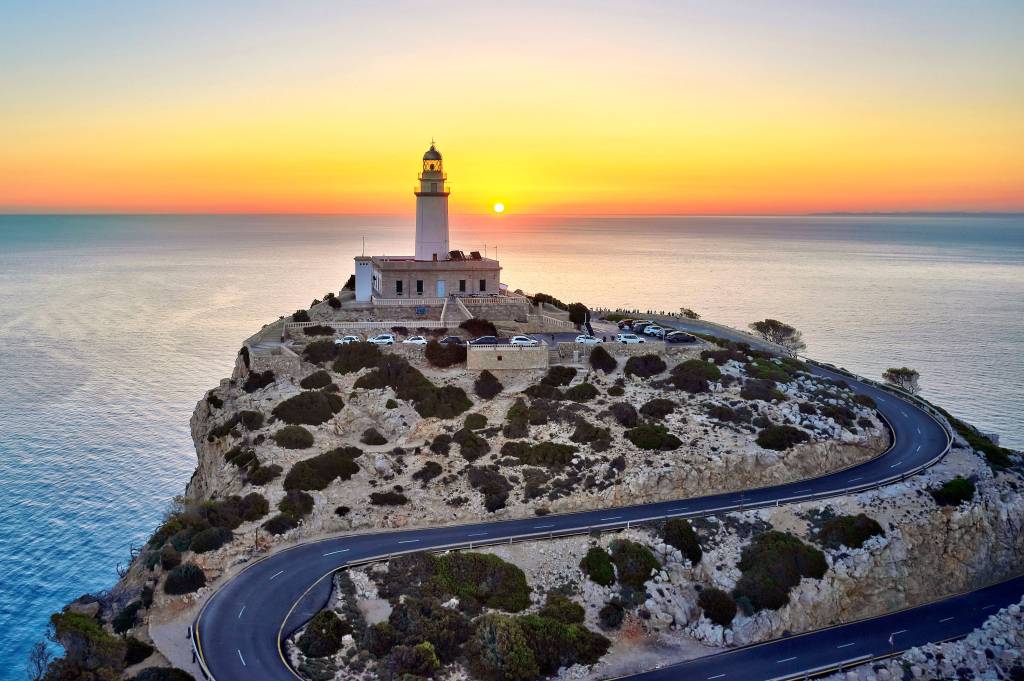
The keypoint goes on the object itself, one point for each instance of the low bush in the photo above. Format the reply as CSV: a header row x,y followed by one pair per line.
x,y
848,530
587,432
416,622
555,644
723,413
163,674
724,355
611,615
658,408
616,391
597,566
781,438
323,634
294,437
559,375
475,421
602,360
260,475
767,370
543,391
678,533
562,608
693,376
865,401
409,384
318,330
311,407
213,400
296,504
652,436
625,414
184,579
953,493
353,357
517,420
300,316
583,392
318,472
544,454
446,355
210,539
492,484
807,409
644,366
761,389
430,470
372,437
280,524
718,606
316,380
844,416
772,564
320,351
471,445
169,557
479,327
126,618
388,499
257,380
441,444
633,562
483,580
487,385
252,420
136,651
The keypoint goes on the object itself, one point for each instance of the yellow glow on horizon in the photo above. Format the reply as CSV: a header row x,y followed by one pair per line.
x,y
499,208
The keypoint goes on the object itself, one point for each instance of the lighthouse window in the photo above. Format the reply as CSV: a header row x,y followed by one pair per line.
x,y
462,285
483,285
398,287
419,287
433,186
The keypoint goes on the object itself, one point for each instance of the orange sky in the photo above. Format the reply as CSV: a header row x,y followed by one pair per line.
x,y
580,108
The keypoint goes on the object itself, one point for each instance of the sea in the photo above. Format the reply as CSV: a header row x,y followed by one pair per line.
x,y
113,327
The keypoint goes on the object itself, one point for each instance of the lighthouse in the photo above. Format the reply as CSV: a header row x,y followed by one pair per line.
x,y
432,208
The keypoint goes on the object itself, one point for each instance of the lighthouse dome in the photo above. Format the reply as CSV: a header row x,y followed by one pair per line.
x,y
432,154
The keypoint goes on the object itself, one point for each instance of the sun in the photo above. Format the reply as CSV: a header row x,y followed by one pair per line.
x,y
499,208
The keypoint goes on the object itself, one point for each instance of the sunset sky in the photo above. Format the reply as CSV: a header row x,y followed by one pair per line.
x,y
548,107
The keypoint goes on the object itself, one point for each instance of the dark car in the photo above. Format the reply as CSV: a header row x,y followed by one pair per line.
x,y
638,327
451,340
679,337
484,340
625,322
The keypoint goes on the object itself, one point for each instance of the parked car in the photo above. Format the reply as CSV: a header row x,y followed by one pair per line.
x,y
584,339
382,339
484,340
345,340
655,330
628,338
679,337
638,327
625,322
452,340
523,340
415,340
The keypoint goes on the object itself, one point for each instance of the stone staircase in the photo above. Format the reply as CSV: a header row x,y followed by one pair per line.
x,y
454,312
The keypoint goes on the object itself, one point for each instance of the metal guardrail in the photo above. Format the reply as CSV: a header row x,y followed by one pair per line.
x,y
341,326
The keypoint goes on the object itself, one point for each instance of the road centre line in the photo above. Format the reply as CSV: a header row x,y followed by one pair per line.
x,y
847,645
241,658
477,534
408,541
945,619
277,574
240,612
541,527
331,553
788,659
716,676
901,631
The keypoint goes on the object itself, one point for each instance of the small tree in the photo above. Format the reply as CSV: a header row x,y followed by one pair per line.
x,y
903,378
602,360
780,333
350,283
487,385
688,313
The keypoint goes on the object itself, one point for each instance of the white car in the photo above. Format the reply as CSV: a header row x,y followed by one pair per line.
x,y
345,340
415,340
628,338
655,331
382,339
523,340
584,339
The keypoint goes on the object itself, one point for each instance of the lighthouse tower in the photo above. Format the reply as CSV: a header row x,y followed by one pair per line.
x,y
432,209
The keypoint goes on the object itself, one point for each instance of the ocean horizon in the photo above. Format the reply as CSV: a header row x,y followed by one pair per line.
x,y
114,326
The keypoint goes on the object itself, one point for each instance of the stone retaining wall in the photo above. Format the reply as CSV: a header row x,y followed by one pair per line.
x,y
506,357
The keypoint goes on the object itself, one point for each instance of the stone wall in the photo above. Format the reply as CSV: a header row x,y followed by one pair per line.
x,y
506,357
281,360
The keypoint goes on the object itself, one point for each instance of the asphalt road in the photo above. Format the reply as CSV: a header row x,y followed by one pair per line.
x,y
239,628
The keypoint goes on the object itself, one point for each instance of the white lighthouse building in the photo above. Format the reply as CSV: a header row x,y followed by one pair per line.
x,y
432,209
435,271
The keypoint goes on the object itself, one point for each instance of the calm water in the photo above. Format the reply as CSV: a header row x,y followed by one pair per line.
x,y
113,327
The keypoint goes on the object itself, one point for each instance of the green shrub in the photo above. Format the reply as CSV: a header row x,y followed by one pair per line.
x,y
517,420
597,566
280,524
558,375
724,355
409,384
441,444
471,445
611,615
388,499
213,400
294,437
483,579
355,356
583,392
252,420
767,370
849,530
616,391
318,330
781,438
296,504
316,380
163,674
311,407
320,351
658,408
723,413
772,564
430,470
602,360
261,475
562,608
210,540
444,403
543,391
300,316
169,557
372,437
633,562
184,579
544,454
446,355
126,618
257,380
865,401
412,662
678,533
391,404
625,414
499,651
475,421
479,327
555,644
718,606
323,634
652,436
693,376
644,366
954,492
487,386
136,651
587,432
492,484
761,389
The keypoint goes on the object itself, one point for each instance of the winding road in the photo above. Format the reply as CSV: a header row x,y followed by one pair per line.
x,y
239,629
